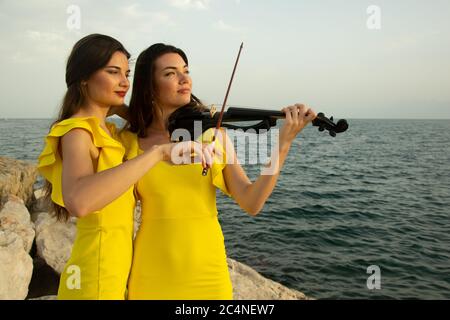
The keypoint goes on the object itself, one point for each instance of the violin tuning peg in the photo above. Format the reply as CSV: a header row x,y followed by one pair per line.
x,y
332,133
331,118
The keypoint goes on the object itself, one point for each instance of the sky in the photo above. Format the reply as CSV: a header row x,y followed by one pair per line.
x,y
347,58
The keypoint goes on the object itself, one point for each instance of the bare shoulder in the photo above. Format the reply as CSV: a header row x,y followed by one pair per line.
x,y
78,140
77,136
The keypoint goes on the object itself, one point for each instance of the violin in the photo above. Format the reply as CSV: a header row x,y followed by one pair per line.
x,y
186,118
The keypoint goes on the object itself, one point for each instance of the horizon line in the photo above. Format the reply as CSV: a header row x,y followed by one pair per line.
x,y
8,118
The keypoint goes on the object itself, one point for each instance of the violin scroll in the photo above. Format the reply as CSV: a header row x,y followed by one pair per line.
x,y
327,124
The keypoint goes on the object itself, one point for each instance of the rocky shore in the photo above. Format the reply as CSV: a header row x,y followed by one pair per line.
x,y
34,247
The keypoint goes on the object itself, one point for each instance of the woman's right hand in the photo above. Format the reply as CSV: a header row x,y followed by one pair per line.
x,y
188,152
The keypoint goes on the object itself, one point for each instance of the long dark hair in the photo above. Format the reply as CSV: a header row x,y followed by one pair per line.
x,y
88,55
141,109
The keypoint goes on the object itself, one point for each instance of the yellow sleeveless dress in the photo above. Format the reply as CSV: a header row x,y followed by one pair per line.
x,y
101,257
179,251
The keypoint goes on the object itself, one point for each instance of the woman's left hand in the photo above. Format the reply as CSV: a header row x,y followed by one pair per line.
x,y
297,117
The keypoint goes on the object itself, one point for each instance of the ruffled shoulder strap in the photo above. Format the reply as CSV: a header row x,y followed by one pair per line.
x,y
130,142
112,129
49,161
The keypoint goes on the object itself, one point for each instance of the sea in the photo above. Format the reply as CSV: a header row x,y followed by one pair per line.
x,y
363,215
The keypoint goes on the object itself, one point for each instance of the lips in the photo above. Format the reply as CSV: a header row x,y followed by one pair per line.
x,y
184,91
121,93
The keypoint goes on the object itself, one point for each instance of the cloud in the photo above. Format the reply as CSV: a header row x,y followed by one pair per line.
x,y
134,11
413,41
224,27
44,36
188,4
20,57
43,44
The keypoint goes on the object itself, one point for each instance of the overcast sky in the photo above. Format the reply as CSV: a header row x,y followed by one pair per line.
x,y
330,54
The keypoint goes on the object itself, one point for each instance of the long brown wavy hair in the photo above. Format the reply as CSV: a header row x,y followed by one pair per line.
x,y
141,109
88,55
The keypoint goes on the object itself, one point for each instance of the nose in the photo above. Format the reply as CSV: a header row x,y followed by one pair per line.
x,y
124,82
184,78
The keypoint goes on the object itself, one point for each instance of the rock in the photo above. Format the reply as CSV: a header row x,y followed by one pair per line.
x,y
54,239
41,204
16,267
250,285
17,178
15,217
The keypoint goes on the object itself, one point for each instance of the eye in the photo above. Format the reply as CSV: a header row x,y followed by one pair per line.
x,y
170,73
187,72
112,72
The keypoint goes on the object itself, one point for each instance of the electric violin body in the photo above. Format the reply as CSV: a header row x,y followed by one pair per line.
x,y
188,118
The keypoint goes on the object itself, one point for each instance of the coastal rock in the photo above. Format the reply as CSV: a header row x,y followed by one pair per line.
x,y
16,267
250,285
15,217
54,239
54,244
40,204
17,178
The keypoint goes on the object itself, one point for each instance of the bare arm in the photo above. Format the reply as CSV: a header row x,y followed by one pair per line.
x,y
85,191
252,196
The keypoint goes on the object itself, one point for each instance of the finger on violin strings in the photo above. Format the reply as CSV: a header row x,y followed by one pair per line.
x,y
288,114
310,115
300,105
296,109
302,109
295,114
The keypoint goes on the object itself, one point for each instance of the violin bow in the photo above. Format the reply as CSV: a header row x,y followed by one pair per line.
x,y
219,120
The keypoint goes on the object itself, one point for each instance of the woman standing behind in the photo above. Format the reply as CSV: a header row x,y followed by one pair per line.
x,y
82,163
179,251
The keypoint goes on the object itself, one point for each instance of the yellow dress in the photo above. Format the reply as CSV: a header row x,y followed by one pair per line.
x,y
101,257
179,251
